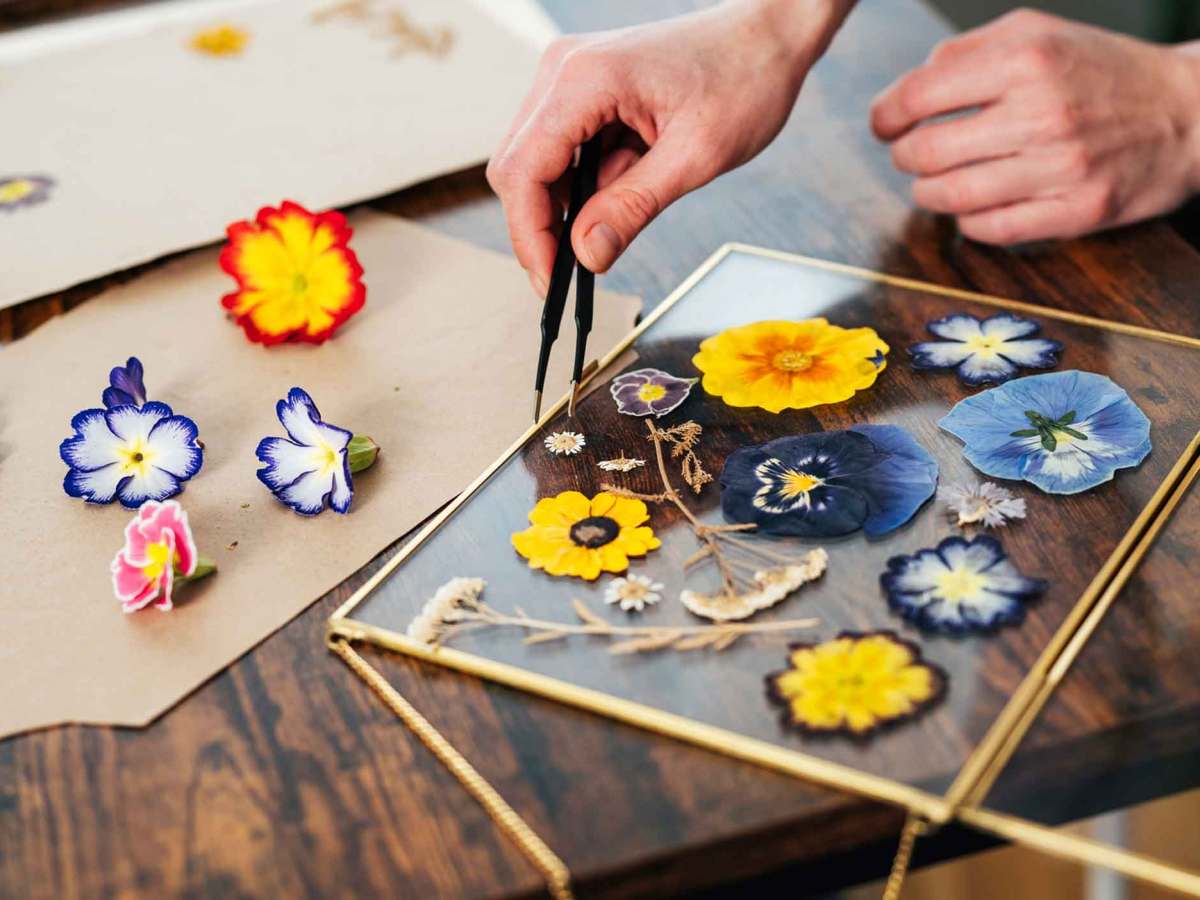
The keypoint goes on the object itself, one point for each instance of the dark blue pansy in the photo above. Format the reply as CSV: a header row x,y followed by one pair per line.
x,y
125,385
990,351
959,586
873,477
1065,432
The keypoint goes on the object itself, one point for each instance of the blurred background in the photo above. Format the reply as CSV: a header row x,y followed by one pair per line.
x,y
1157,20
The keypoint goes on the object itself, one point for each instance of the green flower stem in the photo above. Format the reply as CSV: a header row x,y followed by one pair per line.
x,y
362,452
204,568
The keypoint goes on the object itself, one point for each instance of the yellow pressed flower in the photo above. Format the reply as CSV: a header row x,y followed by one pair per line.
x,y
855,683
572,535
779,365
223,40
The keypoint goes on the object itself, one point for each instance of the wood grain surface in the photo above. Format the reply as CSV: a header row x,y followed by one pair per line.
x,y
285,776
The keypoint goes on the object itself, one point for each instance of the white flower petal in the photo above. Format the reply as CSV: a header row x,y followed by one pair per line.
x,y
155,484
171,447
95,447
98,486
285,461
958,327
943,354
132,424
343,492
1006,326
307,493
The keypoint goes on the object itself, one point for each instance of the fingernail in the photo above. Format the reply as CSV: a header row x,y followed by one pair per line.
x,y
539,285
601,246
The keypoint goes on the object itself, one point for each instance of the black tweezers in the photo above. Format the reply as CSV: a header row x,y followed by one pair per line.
x,y
583,186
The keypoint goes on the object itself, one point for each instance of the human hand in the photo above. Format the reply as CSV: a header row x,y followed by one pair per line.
x,y
1069,129
679,102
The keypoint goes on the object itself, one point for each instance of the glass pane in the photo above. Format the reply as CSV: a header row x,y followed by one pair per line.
x,y
1066,539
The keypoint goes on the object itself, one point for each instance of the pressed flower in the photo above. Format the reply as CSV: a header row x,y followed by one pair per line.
x,y
125,385
298,279
633,593
780,365
854,684
988,504
445,608
223,40
990,351
159,555
23,190
565,443
771,585
649,392
313,469
873,477
959,586
570,534
621,464
129,453
1065,432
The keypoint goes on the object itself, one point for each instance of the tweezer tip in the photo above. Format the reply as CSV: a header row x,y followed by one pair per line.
x,y
537,405
571,402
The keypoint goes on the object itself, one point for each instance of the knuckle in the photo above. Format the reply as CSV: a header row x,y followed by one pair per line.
x,y
1025,18
943,50
1062,119
636,204
997,230
1037,60
912,97
558,49
1077,161
499,172
1099,205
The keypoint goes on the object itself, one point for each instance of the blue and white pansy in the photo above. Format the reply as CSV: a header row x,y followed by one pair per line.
x,y
129,453
990,351
959,586
1064,432
873,477
312,468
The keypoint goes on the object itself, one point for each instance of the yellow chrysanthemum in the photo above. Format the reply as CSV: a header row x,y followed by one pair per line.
x,y
780,365
572,535
855,683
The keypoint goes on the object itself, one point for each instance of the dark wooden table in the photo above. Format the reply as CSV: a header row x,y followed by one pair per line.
x,y
284,775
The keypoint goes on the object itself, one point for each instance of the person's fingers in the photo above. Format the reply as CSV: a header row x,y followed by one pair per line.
x,y
617,213
996,131
1015,24
986,185
615,164
934,89
538,155
1033,220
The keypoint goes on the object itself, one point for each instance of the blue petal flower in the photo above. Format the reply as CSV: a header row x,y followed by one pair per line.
x,y
1064,432
649,392
130,454
312,470
873,477
959,586
125,385
985,352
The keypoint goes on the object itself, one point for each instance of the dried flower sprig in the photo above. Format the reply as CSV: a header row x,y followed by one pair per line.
x,y
753,577
987,504
457,607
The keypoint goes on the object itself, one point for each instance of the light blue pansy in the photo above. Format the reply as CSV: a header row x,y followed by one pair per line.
x,y
1064,432
988,351
959,586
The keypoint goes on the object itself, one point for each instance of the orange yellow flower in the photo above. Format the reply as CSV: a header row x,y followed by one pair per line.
x,y
572,535
779,365
855,683
223,40
298,279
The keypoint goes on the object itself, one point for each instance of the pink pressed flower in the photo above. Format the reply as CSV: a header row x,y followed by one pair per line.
x,y
158,546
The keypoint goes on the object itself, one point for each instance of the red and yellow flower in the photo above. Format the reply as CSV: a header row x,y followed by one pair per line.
x,y
298,279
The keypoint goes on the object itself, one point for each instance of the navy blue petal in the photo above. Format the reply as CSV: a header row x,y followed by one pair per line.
x,y
126,386
905,477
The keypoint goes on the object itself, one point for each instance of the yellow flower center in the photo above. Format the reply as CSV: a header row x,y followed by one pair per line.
x,y
326,457
633,590
792,361
135,458
958,585
159,556
299,283
648,393
796,484
594,531
985,346
17,189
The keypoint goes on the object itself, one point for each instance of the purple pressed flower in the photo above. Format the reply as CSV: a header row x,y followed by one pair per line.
x,y
649,392
125,385
23,190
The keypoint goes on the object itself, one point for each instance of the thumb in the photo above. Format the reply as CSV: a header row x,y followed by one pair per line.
x,y
617,213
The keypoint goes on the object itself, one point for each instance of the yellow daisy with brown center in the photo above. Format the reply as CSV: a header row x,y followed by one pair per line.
x,y
778,365
570,534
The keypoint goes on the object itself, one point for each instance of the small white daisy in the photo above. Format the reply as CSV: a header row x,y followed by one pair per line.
x,y
621,464
988,503
633,593
565,443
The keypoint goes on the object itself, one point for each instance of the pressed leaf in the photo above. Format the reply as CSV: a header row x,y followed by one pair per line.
x,y
640,644
701,640
545,636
